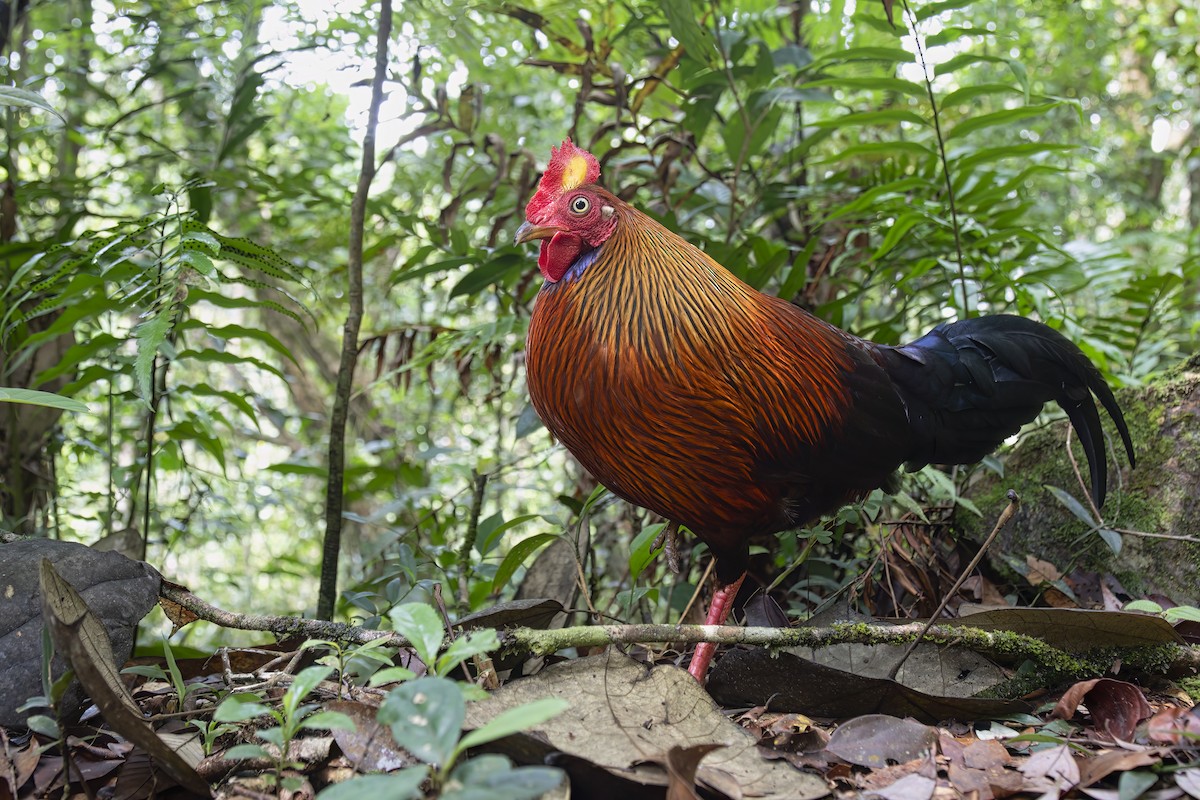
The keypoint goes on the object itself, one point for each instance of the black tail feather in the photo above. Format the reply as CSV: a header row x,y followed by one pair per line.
x,y
969,385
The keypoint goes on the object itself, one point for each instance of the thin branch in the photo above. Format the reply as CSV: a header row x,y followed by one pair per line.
x,y
334,490
1014,502
1003,645
937,126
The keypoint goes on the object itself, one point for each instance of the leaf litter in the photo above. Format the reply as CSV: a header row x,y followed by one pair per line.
x,y
634,730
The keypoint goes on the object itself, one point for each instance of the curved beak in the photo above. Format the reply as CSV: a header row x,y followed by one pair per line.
x,y
528,232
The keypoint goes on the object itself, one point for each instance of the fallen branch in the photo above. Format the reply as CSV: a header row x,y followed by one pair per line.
x,y
1005,646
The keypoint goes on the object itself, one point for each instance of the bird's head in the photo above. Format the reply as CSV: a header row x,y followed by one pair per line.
x,y
570,214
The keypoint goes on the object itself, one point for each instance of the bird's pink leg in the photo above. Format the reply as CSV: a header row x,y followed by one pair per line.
x,y
718,612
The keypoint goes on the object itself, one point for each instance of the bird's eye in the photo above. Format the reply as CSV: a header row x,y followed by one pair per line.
x,y
580,205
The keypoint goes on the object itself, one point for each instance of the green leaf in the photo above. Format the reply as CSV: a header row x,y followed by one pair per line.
x,y
491,538
1144,606
887,115
968,59
1112,539
198,261
12,96
302,685
1072,505
889,55
1182,614
468,646
493,777
426,717
968,93
391,675
514,720
639,549
873,83
150,336
32,397
695,40
1008,115
403,784
240,708
492,271
422,627
328,721
246,751
903,224
906,500
516,557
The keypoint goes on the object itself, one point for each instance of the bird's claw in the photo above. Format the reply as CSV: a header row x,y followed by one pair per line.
x,y
669,539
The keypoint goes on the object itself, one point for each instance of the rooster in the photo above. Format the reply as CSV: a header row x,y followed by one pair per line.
x,y
689,393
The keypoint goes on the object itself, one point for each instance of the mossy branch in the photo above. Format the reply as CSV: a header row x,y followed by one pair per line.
x,y
1005,646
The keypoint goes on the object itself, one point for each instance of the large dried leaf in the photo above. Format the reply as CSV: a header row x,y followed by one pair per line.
x,y
117,590
874,740
789,683
83,642
1116,706
1075,629
623,714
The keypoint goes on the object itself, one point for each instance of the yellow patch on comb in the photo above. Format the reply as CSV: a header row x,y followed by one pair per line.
x,y
574,173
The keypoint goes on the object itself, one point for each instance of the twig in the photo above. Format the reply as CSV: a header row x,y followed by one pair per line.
x,y
334,489
937,127
1087,492
699,588
1014,502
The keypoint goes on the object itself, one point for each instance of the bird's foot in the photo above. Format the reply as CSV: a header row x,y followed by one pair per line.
x,y
669,540
718,613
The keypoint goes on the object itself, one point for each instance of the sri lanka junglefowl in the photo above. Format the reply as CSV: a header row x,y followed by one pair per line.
x,y
735,413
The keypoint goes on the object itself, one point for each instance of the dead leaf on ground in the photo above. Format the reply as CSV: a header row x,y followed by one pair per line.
x,y
1051,769
1077,630
1101,766
875,740
370,746
753,677
1174,725
681,764
623,714
80,638
1116,706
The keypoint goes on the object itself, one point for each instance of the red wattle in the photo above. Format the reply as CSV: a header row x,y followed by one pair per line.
x,y
558,254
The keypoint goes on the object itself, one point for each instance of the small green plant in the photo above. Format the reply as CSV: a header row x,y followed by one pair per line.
x,y
355,663
291,717
53,690
171,675
210,732
426,716
1172,615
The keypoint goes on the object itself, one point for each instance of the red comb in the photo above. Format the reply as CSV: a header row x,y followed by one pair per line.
x,y
569,167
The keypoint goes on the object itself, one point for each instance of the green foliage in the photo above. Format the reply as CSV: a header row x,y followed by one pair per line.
x,y
426,717
181,238
290,718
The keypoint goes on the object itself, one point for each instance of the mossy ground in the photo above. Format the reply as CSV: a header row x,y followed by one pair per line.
x,y
1160,496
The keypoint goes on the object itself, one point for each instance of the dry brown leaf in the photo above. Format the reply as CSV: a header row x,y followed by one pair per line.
x,y
1116,706
623,715
1041,571
682,763
1099,767
874,740
83,642
986,754
1174,725
1052,768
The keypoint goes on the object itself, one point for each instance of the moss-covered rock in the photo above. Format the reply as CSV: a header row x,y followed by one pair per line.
x,y
1160,496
